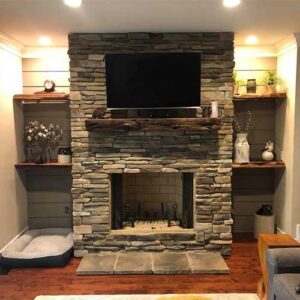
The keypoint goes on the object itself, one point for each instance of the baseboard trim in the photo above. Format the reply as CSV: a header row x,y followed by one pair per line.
x,y
15,238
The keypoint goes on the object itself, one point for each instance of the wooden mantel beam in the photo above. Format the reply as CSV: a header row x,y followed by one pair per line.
x,y
153,124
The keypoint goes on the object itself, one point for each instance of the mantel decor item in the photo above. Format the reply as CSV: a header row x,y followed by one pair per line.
x,y
264,221
49,86
268,152
251,86
272,81
241,145
64,155
40,141
214,109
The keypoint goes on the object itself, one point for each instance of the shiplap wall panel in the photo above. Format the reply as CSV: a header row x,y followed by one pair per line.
x,y
48,210
31,90
57,63
51,114
262,127
48,191
35,223
37,70
252,188
37,78
49,198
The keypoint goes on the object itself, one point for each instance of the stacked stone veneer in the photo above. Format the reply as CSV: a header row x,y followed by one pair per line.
x,y
96,155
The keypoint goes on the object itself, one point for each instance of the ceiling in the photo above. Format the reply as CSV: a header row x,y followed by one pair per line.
x,y
26,20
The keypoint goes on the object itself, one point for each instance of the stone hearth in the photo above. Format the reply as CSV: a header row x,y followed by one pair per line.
x,y
100,155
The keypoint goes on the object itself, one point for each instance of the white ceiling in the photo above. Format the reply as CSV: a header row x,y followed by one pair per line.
x,y
26,20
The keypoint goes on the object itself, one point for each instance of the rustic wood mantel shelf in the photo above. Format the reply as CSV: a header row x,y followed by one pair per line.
x,y
42,97
260,165
257,97
154,124
25,165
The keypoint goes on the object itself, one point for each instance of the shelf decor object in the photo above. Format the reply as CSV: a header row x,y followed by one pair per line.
x,y
64,155
40,140
241,145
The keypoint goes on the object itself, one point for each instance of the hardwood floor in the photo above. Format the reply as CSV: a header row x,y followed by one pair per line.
x,y
244,265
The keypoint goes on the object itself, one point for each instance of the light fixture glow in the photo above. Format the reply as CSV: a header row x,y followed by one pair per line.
x,y
45,41
231,3
251,40
73,3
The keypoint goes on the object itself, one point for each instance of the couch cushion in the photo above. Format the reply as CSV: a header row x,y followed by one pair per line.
x,y
284,286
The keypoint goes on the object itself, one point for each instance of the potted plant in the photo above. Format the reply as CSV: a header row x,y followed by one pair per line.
x,y
271,82
39,140
236,83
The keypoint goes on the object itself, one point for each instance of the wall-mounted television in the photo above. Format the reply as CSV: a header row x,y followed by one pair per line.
x,y
153,80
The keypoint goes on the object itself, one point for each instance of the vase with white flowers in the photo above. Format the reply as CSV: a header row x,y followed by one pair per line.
x,y
241,145
40,140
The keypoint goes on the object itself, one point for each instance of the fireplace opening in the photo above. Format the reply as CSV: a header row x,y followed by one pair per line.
x,y
152,201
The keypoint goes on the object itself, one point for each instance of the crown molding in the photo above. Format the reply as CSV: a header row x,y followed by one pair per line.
x,y
286,45
297,37
10,44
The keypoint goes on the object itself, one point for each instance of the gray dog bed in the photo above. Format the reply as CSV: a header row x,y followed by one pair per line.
x,y
49,247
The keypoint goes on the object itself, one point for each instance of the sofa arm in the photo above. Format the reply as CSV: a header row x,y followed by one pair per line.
x,y
283,257
281,260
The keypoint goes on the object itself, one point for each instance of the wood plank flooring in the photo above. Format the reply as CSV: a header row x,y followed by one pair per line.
x,y
26,284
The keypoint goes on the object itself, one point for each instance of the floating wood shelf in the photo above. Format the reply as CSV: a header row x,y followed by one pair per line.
x,y
260,165
46,165
257,97
153,124
42,97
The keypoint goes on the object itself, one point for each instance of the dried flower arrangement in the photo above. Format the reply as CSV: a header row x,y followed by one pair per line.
x,y
244,128
40,139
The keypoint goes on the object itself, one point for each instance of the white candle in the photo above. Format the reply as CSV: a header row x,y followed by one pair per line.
x,y
214,109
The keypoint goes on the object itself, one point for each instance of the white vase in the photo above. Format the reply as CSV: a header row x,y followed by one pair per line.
x,y
241,148
267,155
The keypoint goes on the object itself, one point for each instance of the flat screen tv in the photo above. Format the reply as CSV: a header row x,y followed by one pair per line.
x,y
153,80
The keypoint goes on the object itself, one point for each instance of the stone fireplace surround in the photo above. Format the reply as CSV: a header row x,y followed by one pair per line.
x,y
98,154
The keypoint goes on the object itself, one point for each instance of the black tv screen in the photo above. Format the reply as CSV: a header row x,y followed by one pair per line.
x,y
153,80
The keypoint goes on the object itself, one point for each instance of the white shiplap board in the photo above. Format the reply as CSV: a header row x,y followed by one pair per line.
x,y
37,70
49,198
252,188
48,191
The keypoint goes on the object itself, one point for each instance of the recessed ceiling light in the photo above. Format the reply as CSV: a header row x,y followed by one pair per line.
x,y
73,3
45,41
231,3
251,40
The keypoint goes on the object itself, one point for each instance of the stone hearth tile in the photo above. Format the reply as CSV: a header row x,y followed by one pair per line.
x,y
134,263
92,264
170,263
205,263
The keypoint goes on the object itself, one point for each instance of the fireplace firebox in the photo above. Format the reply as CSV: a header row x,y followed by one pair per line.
x,y
152,201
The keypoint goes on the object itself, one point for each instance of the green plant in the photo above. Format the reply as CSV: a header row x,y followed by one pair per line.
x,y
237,81
272,78
234,78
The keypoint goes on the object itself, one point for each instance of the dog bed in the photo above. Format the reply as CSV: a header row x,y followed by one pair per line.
x,y
49,247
